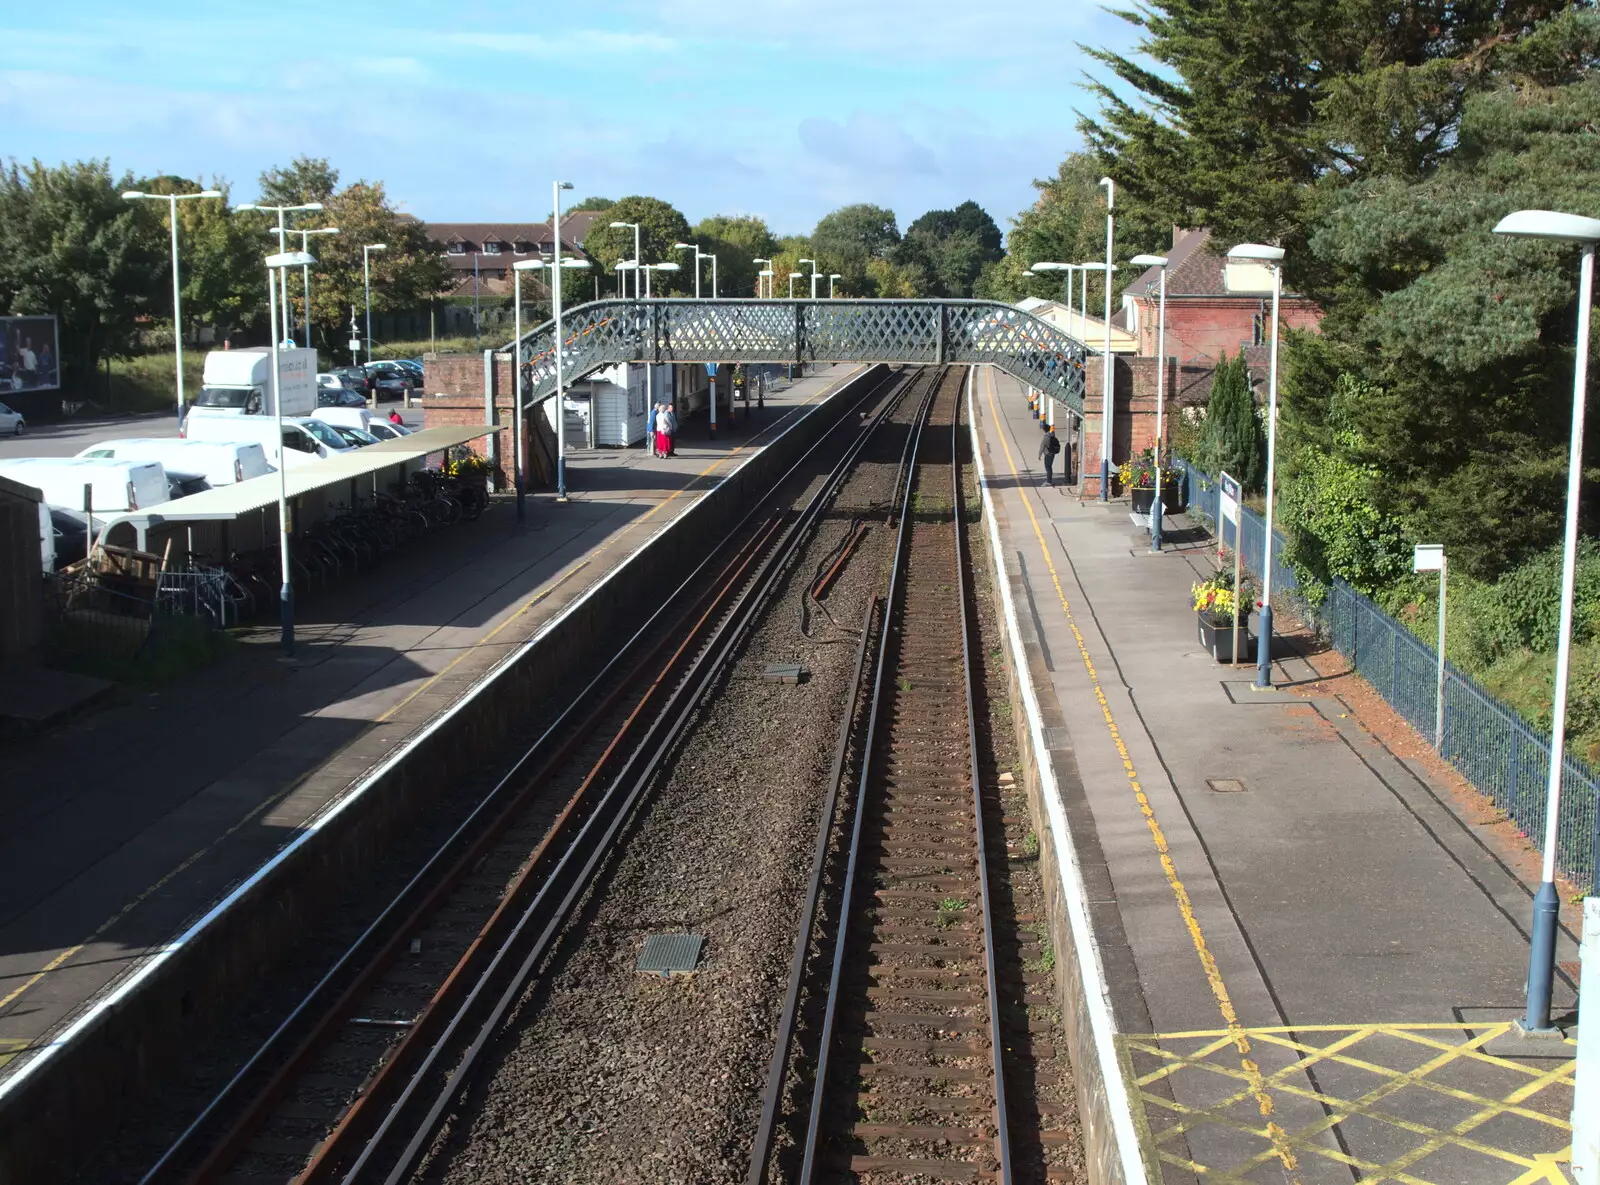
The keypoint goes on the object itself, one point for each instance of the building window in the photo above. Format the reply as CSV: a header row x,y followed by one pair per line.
x,y
491,247
458,248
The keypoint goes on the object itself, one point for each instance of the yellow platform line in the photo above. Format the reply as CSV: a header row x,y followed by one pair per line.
x,y
1208,962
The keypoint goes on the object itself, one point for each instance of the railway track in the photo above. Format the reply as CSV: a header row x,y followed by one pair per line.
x,y
908,1079
359,1076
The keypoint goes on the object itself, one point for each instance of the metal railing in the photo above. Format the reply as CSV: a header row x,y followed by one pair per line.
x,y
914,332
1498,751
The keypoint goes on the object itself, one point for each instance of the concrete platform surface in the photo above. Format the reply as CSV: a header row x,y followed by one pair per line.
x,y
118,828
1313,959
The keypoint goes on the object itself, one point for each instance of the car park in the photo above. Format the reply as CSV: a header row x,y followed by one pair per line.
x,y
397,370
305,440
356,436
355,378
12,422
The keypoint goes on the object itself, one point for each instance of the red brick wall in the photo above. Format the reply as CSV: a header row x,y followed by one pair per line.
x,y
1203,327
1133,428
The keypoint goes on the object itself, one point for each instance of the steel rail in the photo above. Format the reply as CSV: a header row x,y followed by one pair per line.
x,y
289,1039
552,905
874,711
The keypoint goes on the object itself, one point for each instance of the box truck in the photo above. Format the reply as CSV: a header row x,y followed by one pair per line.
x,y
239,382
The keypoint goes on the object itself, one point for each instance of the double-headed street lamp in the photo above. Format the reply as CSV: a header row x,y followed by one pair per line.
x,y
281,263
638,252
366,280
1158,261
305,274
281,231
1565,228
518,466
172,200
1271,257
698,256
759,275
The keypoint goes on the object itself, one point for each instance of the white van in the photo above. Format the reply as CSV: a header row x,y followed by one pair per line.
x,y
114,485
304,440
220,462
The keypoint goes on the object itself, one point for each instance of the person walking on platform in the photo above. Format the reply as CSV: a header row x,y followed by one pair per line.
x,y
1049,446
669,428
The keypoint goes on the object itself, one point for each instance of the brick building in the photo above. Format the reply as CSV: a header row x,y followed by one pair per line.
x,y
1203,318
480,254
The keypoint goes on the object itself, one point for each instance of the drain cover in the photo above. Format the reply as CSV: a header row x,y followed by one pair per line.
x,y
1225,785
670,954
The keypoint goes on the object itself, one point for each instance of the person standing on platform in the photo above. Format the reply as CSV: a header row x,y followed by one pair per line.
x,y
669,427
1049,446
650,427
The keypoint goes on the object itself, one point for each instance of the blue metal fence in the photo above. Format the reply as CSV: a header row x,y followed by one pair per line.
x,y
1499,752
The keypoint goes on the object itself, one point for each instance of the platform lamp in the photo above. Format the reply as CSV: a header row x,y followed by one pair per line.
x,y
768,274
814,274
518,466
172,200
280,263
281,230
1585,232
638,251
1109,394
831,279
305,273
1272,257
1158,261
698,256
366,282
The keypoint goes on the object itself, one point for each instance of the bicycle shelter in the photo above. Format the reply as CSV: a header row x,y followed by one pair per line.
x,y
343,479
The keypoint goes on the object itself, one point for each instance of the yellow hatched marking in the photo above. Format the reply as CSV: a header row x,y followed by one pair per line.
x,y
1522,1165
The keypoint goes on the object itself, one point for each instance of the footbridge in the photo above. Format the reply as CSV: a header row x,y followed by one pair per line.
x,y
912,332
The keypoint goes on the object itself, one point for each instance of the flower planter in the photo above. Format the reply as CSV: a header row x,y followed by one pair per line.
x,y
1216,635
1172,500
1143,497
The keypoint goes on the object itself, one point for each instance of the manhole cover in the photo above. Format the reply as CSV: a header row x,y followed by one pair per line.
x,y
670,954
1225,785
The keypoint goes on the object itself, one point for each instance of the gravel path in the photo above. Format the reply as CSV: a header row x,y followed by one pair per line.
x,y
610,1075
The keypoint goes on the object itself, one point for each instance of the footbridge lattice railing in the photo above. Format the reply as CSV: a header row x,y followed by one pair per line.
x,y
915,332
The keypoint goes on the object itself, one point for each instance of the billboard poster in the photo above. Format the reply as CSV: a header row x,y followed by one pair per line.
x,y
30,354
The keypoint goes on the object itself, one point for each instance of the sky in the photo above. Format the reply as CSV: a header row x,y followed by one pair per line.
x,y
780,108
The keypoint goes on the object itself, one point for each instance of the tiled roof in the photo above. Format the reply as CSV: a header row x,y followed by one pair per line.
x,y
532,234
1192,269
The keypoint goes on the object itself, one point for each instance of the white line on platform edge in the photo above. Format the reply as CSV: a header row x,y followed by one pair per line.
x,y
1098,993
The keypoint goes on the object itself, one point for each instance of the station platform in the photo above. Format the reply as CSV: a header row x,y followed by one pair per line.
x,y
118,829
1312,950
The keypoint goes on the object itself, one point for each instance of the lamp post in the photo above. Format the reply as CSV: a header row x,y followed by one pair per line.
x,y
280,263
305,272
1158,261
638,251
1568,228
1273,258
518,468
1108,395
698,256
814,274
172,200
713,259
793,276
366,280
768,274
649,364
282,229
555,313
1044,267
831,279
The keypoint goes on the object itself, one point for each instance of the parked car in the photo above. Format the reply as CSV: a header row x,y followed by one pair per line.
x,y
394,370
345,417
115,485
305,440
355,378
11,421
384,430
414,365
354,436
340,397
340,381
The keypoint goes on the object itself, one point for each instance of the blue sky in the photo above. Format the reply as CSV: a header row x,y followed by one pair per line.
x,y
782,108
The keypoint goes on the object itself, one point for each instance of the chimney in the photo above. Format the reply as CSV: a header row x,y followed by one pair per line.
x,y
1176,231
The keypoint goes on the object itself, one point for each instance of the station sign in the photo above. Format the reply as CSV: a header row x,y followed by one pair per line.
x,y
1229,499
1428,557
